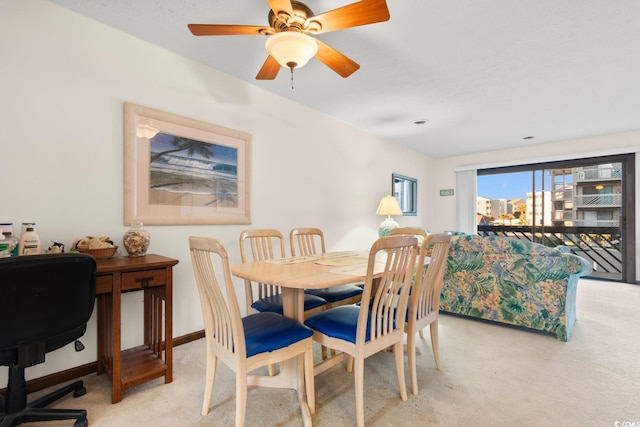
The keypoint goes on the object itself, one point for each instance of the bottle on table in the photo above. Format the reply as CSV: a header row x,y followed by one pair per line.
x,y
5,250
29,240
7,232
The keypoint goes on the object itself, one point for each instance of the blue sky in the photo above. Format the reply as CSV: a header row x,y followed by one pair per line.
x,y
221,153
505,186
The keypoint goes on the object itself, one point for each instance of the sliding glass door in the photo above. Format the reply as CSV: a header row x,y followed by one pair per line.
x,y
586,205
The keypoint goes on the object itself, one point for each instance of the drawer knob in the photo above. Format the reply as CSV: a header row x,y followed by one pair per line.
x,y
144,281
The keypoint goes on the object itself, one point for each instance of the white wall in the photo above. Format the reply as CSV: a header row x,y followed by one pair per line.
x,y
64,80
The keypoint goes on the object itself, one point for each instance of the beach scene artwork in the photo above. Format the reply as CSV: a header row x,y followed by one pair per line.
x,y
188,172
179,170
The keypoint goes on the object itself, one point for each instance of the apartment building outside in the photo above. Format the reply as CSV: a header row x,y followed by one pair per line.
x,y
538,208
588,196
499,207
483,206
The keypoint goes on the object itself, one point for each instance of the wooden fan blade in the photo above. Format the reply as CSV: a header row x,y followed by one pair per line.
x,y
353,15
225,30
335,60
269,69
281,5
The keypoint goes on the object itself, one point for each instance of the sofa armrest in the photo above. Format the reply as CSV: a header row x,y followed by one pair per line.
x,y
586,269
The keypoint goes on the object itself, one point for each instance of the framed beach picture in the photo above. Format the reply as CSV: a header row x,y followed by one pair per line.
x,y
183,171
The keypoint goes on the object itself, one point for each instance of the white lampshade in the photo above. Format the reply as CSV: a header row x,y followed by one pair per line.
x,y
388,206
291,49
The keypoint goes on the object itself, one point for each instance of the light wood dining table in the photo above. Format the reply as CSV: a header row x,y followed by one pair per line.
x,y
294,275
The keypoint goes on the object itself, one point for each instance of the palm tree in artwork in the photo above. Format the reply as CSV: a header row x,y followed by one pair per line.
x,y
181,144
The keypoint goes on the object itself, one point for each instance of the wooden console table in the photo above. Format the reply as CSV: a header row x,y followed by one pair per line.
x,y
153,275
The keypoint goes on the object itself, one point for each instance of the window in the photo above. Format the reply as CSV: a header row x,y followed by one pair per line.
x,y
585,204
405,190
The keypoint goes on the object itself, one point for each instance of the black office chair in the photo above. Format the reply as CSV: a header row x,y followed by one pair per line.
x,y
45,303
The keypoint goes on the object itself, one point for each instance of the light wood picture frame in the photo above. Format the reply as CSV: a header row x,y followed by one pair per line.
x,y
180,171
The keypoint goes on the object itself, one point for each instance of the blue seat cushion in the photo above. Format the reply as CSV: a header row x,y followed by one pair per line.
x,y
336,293
339,322
274,304
265,332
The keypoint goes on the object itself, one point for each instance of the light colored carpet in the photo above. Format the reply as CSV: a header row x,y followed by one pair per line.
x,y
492,376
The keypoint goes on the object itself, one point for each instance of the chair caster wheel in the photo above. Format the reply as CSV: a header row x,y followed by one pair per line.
x,y
79,392
81,423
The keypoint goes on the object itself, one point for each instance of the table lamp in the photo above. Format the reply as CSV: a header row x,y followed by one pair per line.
x,y
388,206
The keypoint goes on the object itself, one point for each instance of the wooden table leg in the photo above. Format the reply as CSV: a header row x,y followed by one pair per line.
x,y
116,347
293,307
102,322
168,327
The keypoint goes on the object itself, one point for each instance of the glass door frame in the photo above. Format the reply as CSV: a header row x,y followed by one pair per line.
x,y
627,221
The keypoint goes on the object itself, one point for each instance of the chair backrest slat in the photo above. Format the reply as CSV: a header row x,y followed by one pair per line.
x,y
260,244
222,320
411,231
265,244
306,241
425,297
388,298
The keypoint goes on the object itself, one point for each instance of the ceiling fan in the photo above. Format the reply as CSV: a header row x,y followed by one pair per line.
x,y
291,23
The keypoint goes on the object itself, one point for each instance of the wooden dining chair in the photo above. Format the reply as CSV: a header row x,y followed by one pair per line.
x,y
363,330
262,244
420,233
308,242
423,307
410,231
242,343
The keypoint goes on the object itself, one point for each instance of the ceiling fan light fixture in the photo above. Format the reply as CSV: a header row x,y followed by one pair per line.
x,y
291,49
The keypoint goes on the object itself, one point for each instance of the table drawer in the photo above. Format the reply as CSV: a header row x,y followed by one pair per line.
x,y
143,279
104,284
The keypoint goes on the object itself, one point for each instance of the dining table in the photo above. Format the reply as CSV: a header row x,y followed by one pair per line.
x,y
293,275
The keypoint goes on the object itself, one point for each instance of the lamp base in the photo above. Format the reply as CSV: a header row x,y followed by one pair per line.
x,y
386,226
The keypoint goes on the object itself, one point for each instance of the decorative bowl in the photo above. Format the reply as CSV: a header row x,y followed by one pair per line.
x,y
103,253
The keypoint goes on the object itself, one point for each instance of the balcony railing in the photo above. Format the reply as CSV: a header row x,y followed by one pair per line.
x,y
598,174
596,223
598,200
562,215
561,195
600,246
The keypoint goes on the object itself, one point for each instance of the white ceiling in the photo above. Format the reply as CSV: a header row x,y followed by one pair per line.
x,y
484,74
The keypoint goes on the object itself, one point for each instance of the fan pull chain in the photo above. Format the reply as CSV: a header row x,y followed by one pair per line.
x,y
292,65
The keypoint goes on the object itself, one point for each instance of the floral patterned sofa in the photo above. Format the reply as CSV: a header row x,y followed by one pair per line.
x,y
513,281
